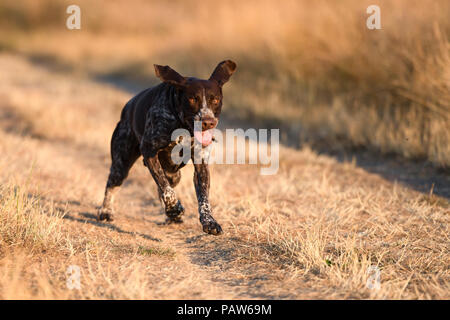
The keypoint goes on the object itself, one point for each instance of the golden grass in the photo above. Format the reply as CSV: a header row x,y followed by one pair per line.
x,y
312,67
311,231
26,221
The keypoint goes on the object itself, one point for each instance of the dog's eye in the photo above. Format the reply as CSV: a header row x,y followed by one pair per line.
x,y
215,101
192,100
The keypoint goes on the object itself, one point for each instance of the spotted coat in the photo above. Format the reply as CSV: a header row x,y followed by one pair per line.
x,y
145,128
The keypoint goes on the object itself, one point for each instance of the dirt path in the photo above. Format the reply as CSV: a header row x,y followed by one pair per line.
x,y
140,218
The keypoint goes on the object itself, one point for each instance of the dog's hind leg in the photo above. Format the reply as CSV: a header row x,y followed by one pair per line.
x,y
124,153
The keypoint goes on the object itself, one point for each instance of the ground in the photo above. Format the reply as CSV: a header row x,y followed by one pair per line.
x,y
313,230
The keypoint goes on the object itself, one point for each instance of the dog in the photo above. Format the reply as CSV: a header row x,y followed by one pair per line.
x,y
145,127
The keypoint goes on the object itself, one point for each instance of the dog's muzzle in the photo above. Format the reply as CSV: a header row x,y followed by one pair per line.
x,y
205,136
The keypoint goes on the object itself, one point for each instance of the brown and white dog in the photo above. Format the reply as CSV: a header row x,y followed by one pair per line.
x,y
145,128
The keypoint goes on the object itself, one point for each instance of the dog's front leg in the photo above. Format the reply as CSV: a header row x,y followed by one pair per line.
x,y
150,146
201,183
173,208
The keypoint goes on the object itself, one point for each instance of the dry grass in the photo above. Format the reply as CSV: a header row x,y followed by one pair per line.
x,y
26,222
312,68
311,231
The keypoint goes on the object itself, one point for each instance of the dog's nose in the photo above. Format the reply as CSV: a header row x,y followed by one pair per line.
x,y
208,123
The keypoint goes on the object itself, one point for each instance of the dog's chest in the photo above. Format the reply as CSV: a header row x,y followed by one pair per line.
x,y
172,159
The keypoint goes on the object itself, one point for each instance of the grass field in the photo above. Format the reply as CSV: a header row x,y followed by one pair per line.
x,y
312,68
311,231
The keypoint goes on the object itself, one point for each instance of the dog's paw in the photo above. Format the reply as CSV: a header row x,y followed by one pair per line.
x,y
212,227
105,214
175,213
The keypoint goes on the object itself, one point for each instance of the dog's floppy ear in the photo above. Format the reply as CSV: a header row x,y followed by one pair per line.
x,y
223,72
167,74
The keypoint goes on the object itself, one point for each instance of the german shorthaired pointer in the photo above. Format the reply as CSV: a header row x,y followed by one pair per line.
x,y
145,127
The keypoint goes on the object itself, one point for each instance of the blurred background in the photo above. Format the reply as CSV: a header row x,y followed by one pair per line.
x,y
364,176
311,68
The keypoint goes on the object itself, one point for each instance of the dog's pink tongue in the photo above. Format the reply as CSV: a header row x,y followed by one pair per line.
x,y
204,137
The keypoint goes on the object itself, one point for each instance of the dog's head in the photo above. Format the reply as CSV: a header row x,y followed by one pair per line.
x,y
199,100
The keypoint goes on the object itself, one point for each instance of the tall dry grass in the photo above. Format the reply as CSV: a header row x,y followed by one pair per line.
x,y
26,222
309,67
